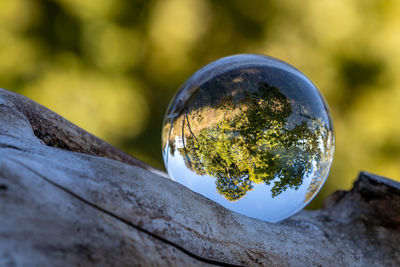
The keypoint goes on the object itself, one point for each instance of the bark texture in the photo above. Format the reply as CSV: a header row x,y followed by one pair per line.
x,y
67,198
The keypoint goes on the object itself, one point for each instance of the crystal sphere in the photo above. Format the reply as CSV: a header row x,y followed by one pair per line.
x,y
251,133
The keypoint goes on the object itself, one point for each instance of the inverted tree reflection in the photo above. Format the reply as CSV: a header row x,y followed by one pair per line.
x,y
245,139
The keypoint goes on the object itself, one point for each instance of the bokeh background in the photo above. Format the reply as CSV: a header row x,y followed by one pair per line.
x,y
111,66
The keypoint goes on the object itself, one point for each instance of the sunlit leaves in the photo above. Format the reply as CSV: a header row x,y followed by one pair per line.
x,y
255,146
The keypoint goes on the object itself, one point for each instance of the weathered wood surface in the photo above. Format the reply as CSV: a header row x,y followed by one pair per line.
x,y
68,198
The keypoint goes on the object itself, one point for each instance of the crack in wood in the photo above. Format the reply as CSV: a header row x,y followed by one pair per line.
x,y
187,252
356,228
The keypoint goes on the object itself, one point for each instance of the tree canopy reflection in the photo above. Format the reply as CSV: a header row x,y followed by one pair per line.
x,y
251,143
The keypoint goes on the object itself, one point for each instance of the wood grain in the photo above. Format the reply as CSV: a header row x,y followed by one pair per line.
x,y
69,199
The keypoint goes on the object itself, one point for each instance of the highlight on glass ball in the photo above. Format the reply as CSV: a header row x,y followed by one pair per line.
x,y
251,133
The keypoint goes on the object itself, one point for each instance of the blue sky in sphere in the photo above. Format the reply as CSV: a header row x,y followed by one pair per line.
x,y
257,203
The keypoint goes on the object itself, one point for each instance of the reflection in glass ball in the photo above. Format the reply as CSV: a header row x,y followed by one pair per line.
x,y
251,133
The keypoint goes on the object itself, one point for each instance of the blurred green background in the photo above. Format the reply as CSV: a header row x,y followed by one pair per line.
x,y
111,67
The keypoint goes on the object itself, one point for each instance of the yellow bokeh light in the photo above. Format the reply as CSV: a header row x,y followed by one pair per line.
x,y
109,106
114,47
175,26
91,9
17,15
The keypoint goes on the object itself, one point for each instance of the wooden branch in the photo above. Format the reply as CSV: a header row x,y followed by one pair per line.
x,y
68,198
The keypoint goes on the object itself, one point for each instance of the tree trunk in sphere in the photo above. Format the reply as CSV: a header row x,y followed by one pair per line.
x,y
68,198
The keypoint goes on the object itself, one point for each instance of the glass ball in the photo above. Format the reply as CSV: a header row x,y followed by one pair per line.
x,y
251,133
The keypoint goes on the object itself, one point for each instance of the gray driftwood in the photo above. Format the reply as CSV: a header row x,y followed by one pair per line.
x,y
68,198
